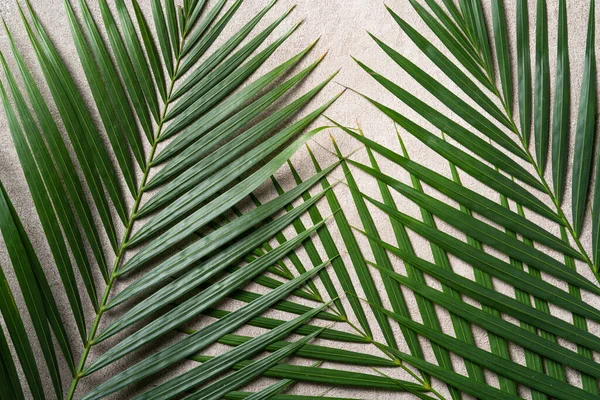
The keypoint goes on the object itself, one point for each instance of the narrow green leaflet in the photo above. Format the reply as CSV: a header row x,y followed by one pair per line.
x,y
541,98
136,54
586,130
316,352
502,56
135,90
163,36
562,110
523,70
270,323
151,50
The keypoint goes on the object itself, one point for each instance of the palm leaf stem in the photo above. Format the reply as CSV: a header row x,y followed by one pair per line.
x,y
124,243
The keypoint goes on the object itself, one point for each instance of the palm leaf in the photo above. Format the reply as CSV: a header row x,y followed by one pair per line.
x,y
219,153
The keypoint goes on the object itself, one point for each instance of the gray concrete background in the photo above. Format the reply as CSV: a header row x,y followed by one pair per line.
x,y
341,26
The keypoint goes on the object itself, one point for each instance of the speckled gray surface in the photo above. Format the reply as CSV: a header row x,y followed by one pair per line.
x,y
342,26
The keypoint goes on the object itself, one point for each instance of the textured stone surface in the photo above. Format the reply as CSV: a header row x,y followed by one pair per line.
x,y
341,26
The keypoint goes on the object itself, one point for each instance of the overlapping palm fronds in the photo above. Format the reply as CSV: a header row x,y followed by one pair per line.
x,y
502,242
190,135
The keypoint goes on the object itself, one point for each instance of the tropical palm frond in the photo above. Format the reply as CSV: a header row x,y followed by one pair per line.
x,y
191,134
487,143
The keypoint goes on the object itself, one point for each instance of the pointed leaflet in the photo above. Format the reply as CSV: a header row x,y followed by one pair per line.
x,y
585,132
523,70
541,98
502,56
199,340
481,35
171,16
561,120
163,35
136,54
317,352
151,51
